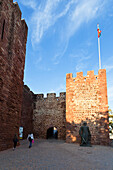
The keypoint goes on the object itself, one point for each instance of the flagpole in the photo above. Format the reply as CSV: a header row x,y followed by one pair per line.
x,y
99,53
99,49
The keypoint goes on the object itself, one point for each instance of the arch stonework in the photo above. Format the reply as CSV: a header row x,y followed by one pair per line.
x,y
49,112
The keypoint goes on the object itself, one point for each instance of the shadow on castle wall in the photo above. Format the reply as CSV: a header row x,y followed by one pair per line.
x,y
99,130
44,117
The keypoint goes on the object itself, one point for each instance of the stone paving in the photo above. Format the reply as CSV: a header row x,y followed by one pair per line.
x,y
56,155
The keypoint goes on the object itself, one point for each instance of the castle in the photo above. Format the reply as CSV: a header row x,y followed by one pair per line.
x,y
85,98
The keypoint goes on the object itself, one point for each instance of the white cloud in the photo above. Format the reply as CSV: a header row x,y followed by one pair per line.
x,y
59,54
43,19
81,66
81,56
108,67
66,9
75,12
83,12
39,60
48,12
29,3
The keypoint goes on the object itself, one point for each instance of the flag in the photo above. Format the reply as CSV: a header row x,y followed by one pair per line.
x,y
99,32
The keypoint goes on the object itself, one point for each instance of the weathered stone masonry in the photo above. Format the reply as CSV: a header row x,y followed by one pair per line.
x,y
49,112
86,100
13,37
27,111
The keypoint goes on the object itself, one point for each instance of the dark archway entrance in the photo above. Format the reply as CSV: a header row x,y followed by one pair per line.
x,y
52,133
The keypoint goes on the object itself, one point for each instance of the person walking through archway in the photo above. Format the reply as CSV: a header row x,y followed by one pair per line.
x,y
31,139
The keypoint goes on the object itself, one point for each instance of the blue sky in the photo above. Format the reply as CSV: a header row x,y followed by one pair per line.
x,y
62,38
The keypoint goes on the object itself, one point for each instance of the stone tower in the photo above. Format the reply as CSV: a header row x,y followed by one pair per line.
x,y
86,100
13,37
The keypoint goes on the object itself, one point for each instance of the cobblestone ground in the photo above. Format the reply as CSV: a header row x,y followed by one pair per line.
x,y
56,155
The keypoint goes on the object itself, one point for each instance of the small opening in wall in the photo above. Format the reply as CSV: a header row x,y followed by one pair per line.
x,y
74,80
52,133
1,83
2,36
96,78
85,79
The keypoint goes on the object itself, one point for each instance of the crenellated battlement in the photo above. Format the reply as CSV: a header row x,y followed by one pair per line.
x,y
63,94
50,96
39,96
90,76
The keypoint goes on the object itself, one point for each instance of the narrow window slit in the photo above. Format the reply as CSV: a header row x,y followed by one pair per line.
x,y
2,36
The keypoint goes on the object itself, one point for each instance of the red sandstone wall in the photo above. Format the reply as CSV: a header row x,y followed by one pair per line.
x,y
27,111
86,100
13,37
49,112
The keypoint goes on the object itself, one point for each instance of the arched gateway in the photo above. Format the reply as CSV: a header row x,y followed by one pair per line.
x,y
52,133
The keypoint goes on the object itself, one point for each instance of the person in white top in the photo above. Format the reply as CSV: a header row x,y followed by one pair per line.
x,y
30,138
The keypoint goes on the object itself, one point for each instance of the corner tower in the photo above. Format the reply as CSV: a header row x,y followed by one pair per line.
x,y
86,100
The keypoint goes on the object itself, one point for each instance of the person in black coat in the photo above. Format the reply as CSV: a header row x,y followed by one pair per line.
x,y
15,140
